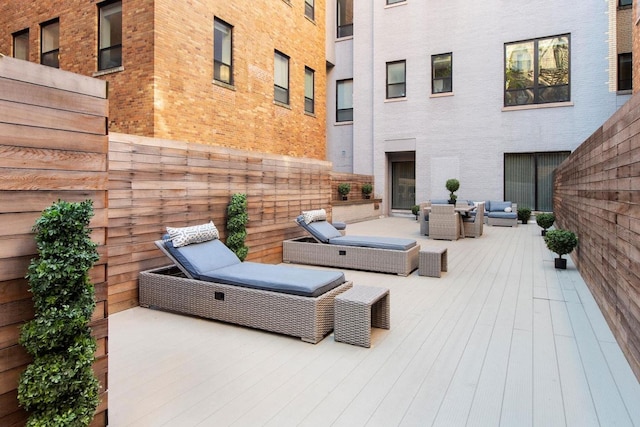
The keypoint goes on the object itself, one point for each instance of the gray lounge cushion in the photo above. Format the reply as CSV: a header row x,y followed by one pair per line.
x,y
391,243
320,230
499,206
502,214
212,261
278,278
199,258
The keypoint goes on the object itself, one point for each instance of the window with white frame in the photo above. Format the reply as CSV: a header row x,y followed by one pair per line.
x,y
344,100
222,52
21,44
281,78
396,79
537,71
395,1
110,29
441,73
309,77
50,43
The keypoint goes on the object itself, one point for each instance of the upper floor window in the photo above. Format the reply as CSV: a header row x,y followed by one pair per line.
x,y
281,78
21,44
222,52
441,72
396,79
625,2
344,100
395,1
537,71
345,18
309,11
309,77
110,44
50,43
625,72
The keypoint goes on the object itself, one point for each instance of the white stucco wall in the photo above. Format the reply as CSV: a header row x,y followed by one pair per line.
x,y
466,135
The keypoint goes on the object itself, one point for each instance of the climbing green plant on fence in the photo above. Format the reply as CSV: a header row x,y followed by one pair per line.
x,y
59,388
237,218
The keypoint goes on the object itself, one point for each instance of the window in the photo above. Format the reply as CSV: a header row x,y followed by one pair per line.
x,y
396,80
345,18
441,66
395,1
309,77
49,43
625,3
344,101
21,45
625,72
281,78
528,178
309,9
222,52
537,71
110,44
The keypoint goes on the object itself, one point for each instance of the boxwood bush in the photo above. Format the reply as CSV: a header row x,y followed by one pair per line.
x,y
58,388
237,218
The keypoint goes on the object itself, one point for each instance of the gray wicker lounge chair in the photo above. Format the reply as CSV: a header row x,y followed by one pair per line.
x,y
329,248
473,225
209,281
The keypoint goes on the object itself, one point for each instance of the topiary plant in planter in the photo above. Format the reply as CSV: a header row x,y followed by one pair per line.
x,y
452,185
545,220
237,218
561,242
59,387
415,209
524,214
344,188
367,189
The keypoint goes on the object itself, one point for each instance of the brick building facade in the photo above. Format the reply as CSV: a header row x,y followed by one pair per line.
x,y
165,85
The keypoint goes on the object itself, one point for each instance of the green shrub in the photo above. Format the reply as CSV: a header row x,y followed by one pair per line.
x,y
367,188
545,220
58,388
452,185
561,242
524,214
344,188
237,218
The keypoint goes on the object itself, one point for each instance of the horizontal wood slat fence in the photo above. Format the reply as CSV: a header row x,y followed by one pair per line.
x,y
597,196
156,183
53,145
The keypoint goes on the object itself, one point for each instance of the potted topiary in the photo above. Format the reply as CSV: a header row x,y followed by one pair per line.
x,y
415,209
524,214
367,189
452,185
561,242
344,188
545,220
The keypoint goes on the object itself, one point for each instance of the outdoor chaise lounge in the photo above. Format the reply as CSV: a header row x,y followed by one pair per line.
x,y
329,248
211,282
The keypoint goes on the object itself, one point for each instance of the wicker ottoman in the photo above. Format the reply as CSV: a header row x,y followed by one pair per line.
x,y
432,261
359,309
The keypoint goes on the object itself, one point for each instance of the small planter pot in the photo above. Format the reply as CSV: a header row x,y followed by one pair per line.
x,y
560,263
543,232
344,197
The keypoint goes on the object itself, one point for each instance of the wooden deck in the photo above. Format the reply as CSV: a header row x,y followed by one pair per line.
x,y
502,338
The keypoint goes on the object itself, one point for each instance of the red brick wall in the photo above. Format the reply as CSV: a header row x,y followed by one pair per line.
x,y
597,196
165,88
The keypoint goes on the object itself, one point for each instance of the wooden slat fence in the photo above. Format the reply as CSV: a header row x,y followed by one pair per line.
x,y
155,183
53,145
597,196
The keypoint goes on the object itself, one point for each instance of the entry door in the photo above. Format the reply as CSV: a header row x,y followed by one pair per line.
x,y
403,185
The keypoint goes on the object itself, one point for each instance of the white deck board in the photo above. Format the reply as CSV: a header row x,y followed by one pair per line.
x,y
502,339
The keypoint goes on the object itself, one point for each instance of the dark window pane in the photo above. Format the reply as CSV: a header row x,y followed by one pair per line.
x,y
281,95
21,45
625,72
110,42
345,18
345,115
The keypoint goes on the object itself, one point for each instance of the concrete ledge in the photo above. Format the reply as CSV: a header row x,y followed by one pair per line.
x,y
356,210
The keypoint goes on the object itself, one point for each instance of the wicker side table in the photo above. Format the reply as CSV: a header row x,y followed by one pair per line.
x,y
359,309
432,261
